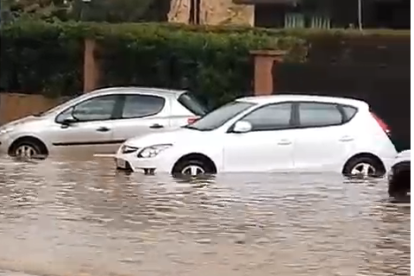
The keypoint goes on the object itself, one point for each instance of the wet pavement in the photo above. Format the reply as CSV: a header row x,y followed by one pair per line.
x,y
81,217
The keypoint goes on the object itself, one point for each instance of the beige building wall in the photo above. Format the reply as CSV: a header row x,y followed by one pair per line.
x,y
213,12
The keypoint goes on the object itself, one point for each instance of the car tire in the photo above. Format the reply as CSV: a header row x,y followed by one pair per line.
x,y
364,167
27,149
191,167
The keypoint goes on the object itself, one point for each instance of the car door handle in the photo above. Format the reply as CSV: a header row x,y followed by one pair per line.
x,y
157,126
346,139
103,129
284,142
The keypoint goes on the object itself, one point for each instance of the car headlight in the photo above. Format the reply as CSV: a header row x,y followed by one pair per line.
x,y
127,149
152,151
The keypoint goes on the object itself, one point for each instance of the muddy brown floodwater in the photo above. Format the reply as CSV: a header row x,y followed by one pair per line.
x,y
80,217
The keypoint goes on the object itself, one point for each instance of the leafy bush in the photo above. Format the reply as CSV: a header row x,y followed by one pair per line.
x,y
215,66
40,58
214,62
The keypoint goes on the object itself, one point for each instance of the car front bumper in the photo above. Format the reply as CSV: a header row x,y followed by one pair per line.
x,y
5,143
130,162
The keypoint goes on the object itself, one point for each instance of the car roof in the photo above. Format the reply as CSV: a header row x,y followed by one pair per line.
x,y
298,98
141,90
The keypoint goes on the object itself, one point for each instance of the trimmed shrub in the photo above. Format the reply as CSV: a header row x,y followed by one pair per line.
x,y
47,58
213,62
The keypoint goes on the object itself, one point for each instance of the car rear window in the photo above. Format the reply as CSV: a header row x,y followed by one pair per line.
x,y
349,112
140,106
192,104
319,114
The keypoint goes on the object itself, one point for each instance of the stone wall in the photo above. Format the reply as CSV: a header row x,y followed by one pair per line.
x,y
14,106
213,12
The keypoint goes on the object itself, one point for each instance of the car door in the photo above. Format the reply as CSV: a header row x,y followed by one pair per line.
x,y
141,114
324,138
267,147
91,129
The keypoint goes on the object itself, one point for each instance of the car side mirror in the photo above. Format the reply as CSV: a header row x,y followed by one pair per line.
x,y
69,121
242,127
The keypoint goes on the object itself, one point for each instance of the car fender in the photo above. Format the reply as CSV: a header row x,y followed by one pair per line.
x,y
215,153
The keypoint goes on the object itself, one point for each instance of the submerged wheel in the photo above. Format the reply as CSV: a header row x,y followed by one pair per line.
x,y
192,167
364,167
26,149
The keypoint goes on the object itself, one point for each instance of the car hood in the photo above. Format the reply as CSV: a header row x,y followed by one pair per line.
x,y
19,122
175,136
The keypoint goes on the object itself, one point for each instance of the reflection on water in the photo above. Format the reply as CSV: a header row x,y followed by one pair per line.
x,y
80,217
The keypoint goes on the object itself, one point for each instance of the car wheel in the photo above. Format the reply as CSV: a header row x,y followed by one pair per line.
x,y
192,167
364,167
26,149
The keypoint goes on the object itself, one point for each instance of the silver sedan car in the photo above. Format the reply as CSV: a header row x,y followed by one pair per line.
x,y
99,121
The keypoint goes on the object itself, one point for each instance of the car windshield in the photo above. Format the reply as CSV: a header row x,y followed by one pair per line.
x,y
64,100
220,116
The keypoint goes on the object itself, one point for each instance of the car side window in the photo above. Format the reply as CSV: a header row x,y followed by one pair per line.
x,y
139,106
319,114
349,112
270,117
95,109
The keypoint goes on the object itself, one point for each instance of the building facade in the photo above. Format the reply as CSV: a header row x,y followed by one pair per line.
x,y
389,14
211,12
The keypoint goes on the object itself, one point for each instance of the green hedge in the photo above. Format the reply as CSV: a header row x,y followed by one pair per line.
x,y
40,57
215,66
213,62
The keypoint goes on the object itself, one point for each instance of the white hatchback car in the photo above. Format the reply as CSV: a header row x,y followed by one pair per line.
x,y
99,121
269,134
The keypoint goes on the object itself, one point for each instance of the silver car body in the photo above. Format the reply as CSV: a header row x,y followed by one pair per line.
x,y
98,134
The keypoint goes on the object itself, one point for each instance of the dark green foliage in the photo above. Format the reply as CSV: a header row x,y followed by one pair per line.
x,y
214,62
215,66
40,58
94,10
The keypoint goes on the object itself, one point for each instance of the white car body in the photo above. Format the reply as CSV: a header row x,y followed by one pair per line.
x,y
404,156
294,148
92,134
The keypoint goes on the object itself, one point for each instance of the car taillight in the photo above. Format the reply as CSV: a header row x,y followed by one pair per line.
x,y
192,120
382,124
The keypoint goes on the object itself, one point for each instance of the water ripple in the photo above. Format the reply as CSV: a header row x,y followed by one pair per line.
x,y
80,217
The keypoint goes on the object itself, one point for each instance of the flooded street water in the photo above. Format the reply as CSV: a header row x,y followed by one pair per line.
x,y
81,217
